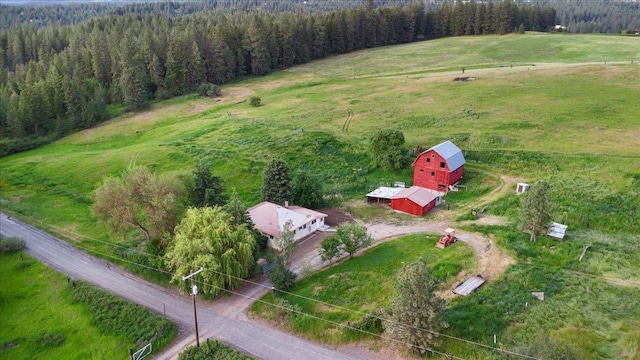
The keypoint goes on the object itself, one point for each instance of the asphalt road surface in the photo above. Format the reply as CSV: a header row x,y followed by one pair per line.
x,y
256,339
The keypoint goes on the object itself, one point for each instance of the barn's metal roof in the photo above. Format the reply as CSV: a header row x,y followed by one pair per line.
x,y
418,195
469,286
451,153
384,192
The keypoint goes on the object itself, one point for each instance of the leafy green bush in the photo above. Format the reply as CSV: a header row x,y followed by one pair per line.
x,y
209,90
369,322
11,244
281,277
255,101
212,350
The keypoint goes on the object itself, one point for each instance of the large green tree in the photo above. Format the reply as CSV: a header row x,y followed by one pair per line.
x,y
330,248
416,314
206,189
353,237
276,186
140,199
208,238
387,149
307,191
535,210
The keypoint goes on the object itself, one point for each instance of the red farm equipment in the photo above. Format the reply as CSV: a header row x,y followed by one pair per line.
x,y
448,239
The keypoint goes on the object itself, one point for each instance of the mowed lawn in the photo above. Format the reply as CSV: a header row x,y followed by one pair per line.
x,y
39,321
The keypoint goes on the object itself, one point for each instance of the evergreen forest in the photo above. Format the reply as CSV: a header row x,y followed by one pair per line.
x,y
70,67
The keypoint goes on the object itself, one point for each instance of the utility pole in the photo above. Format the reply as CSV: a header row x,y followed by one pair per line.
x,y
194,293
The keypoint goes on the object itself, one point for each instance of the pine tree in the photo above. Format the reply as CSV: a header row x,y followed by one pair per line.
x,y
535,210
237,210
133,82
416,314
175,77
206,189
276,186
195,72
307,191
256,45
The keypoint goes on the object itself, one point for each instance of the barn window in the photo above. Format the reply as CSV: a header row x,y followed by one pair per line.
x,y
433,173
442,165
428,160
422,170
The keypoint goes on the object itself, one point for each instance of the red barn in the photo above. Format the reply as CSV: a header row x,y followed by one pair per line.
x,y
439,167
414,200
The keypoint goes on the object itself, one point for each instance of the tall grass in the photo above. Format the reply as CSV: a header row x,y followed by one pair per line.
x,y
42,319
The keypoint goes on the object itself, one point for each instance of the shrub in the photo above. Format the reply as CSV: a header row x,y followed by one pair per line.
x,y
163,94
210,90
255,101
281,277
212,350
369,322
50,339
11,244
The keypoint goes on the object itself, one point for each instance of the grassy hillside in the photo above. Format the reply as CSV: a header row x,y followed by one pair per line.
x,y
557,117
538,106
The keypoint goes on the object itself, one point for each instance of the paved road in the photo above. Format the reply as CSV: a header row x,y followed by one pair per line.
x,y
256,339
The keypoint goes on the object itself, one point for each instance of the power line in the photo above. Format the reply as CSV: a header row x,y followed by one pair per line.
x,y
300,312
304,297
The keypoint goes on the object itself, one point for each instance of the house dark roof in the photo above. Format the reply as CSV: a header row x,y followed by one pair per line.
x,y
451,154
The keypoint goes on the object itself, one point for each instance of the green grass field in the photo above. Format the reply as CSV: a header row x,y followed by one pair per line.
x,y
362,285
559,118
41,319
540,106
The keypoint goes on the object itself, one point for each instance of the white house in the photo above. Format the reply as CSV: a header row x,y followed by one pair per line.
x,y
269,219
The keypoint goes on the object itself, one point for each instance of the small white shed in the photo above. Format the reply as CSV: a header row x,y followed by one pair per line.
x,y
521,188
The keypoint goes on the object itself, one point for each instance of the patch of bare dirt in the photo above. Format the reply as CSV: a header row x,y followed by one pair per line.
x,y
236,94
336,216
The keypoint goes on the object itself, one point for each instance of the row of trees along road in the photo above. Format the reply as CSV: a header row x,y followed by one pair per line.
x,y
55,79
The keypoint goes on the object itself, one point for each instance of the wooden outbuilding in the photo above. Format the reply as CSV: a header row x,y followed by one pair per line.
x,y
414,200
439,168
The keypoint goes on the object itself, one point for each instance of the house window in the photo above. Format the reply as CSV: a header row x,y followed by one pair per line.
x,y
433,173
442,165
428,160
313,221
304,226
